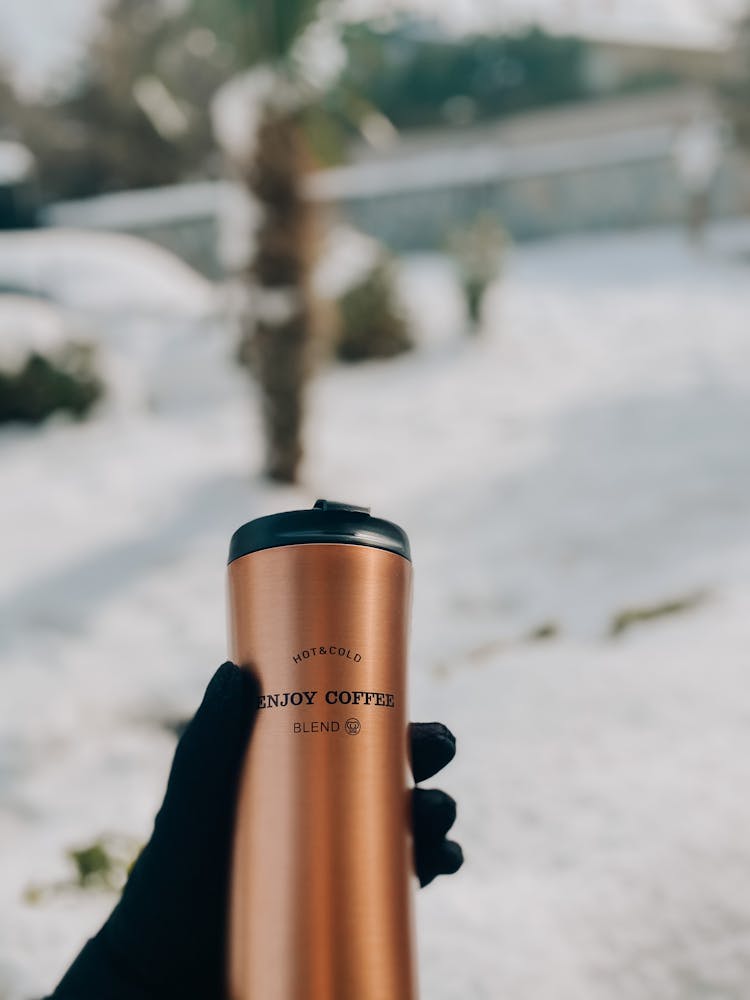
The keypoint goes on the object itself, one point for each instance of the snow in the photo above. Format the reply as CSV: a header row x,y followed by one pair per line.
x,y
483,163
103,272
16,162
238,107
585,455
699,24
156,205
346,257
28,325
42,41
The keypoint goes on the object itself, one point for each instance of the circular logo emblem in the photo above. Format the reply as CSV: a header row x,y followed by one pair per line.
x,y
352,726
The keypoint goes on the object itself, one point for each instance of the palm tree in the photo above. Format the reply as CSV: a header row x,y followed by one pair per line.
x,y
272,164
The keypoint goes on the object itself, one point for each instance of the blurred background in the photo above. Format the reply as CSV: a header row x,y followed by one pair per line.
x,y
484,266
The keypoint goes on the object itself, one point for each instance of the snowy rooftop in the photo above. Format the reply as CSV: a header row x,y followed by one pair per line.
x,y
689,24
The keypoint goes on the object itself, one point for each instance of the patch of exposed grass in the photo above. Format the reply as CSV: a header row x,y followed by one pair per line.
x,y
638,614
544,631
105,863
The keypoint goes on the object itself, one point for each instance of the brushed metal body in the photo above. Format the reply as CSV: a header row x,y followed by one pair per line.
x,y
322,878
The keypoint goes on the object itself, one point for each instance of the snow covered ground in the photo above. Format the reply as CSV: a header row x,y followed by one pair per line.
x,y
586,456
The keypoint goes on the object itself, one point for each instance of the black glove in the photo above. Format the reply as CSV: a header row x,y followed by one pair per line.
x,y
165,937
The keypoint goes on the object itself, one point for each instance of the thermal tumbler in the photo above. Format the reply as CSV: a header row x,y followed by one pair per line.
x,y
322,872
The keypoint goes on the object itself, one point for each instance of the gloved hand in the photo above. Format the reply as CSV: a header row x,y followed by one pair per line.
x,y
165,937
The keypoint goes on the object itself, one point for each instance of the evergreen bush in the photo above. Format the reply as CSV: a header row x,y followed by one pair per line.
x,y
372,324
63,381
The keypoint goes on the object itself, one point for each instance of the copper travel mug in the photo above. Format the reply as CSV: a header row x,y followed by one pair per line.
x,y
322,876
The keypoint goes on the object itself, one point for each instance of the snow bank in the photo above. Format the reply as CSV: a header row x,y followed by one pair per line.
x,y
103,272
159,325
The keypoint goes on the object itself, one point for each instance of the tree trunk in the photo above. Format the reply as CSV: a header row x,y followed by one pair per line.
x,y
277,339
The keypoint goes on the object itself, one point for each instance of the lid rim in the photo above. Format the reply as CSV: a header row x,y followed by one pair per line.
x,y
337,525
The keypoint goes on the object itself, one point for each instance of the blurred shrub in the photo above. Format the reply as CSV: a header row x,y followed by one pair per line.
x,y
94,865
415,72
102,864
137,112
62,381
372,324
479,254
543,631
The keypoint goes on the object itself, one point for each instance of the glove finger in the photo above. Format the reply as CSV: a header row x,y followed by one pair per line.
x,y
434,813
443,859
432,746
211,748
172,912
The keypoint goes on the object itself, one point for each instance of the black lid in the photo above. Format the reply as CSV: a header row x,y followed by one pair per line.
x,y
327,521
